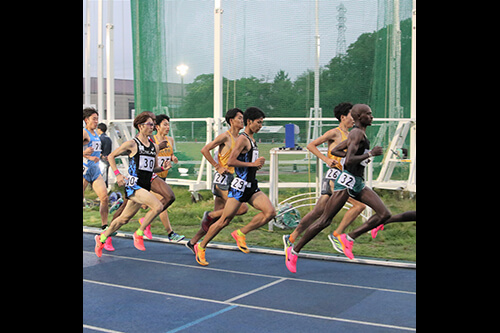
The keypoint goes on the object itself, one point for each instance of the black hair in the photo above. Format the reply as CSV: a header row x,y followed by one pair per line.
x,y
252,113
160,118
231,114
102,127
342,109
87,112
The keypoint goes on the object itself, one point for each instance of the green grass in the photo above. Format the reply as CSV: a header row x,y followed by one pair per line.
x,y
397,241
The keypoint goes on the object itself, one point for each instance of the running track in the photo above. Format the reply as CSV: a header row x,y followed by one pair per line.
x,y
164,290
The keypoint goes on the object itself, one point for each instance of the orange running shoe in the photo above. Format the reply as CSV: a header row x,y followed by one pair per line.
x,y
98,246
240,241
138,242
200,255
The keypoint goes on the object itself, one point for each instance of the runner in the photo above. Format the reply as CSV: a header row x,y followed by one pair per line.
x,y
334,136
143,161
165,154
91,172
244,188
349,183
223,175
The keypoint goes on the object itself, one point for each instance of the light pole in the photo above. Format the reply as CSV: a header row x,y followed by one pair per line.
x,y
182,70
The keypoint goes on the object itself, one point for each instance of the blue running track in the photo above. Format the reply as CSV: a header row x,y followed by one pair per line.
x,y
164,290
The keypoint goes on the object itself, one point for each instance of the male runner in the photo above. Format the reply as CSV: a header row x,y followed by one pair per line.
x,y
349,183
223,175
143,161
165,154
334,136
244,188
91,172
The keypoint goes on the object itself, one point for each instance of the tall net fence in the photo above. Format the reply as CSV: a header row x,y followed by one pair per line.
x,y
268,60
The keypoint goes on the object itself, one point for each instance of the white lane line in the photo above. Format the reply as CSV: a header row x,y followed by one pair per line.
x,y
257,274
255,290
100,329
252,307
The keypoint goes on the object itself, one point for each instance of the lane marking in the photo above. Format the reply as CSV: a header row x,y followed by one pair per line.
x,y
256,274
100,329
202,319
255,290
251,306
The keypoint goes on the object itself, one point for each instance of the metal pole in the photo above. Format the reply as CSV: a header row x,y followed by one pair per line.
x,y
87,55
316,76
100,46
217,66
110,65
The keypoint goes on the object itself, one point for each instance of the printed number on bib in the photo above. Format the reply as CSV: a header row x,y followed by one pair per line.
x,y
333,174
96,145
239,184
347,180
162,159
85,168
146,163
220,179
131,181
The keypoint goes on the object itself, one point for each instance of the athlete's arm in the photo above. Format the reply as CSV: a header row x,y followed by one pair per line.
x,y
339,150
242,144
312,147
127,147
353,140
219,140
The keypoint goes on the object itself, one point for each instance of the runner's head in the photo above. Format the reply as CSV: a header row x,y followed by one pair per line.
x,y
234,117
343,113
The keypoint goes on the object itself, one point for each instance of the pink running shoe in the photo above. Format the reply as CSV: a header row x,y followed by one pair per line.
x,y
108,245
347,246
98,246
138,242
291,260
376,230
147,231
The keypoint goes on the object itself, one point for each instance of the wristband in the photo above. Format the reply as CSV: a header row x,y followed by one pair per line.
x,y
162,169
117,172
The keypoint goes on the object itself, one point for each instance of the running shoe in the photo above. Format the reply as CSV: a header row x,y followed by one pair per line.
x,y
147,231
138,242
175,237
98,246
376,230
336,242
240,241
347,246
286,242
200,255
108,245
191,247
291,260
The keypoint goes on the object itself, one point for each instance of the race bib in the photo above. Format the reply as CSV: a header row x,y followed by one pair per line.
x,y
131,181
347,180
333,173
85,168
146,163
239,184
96,145
220,179
162,159
255,155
